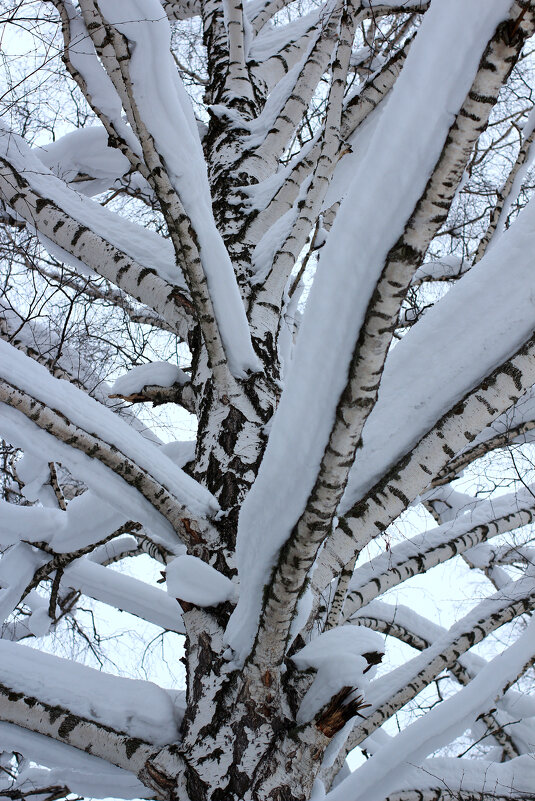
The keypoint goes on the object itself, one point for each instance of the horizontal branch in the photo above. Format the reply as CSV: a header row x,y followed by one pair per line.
x,y
182,394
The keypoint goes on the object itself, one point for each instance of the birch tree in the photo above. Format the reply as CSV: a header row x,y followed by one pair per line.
x,y
306,228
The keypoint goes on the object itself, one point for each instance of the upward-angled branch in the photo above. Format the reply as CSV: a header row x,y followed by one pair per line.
x,y
270,294
367,361
283,119
198,246
238,83
354,112
406,479
443,654
109,442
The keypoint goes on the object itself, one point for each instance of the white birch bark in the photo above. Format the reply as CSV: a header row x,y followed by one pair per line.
x,y
349,146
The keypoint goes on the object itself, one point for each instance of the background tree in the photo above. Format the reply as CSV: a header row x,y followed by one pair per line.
x,y
305,229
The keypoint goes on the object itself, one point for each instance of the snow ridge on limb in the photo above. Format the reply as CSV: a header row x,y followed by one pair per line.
x,y
418,632
277,49
91,693
287,105
440,726
407,626
409,477
336,311
409,380
417,555
391,692
134,259
160,113
360,393
510,188
83,424
312,192
75,705
354,112
125,593
267,10
39,343
449,779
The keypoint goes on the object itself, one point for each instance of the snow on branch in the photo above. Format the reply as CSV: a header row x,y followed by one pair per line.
x,y
159,110
445,779
390,693
275,196
419,554
81,772
133,258
480,291
125,593
90,693
336,311
410,476
156,382
91,711
439,727
84,159
95,441
272,129
278,49
514,426
40,342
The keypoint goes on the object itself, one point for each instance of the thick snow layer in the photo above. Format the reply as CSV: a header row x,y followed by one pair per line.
x,y
476,514
180,452
192,580
351,640
157,374
145,247
90,693
100,88
337,656
85,152
86,520
21,432
481,322
84,774
166,110
351,162
386,769
40,337
17,568
272,38
92,417
125,593
474,776
519,179
421,109
27,522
